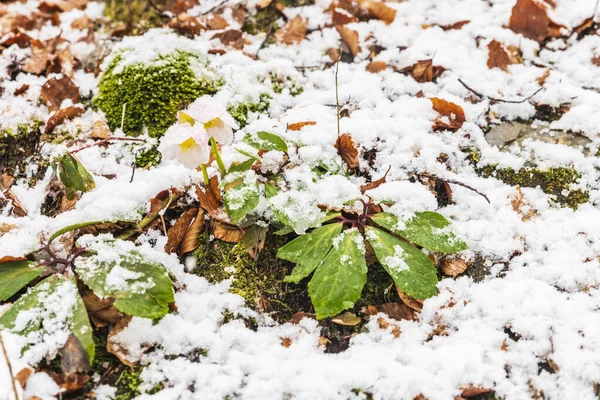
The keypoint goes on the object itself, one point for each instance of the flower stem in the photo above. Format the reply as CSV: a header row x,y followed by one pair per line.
x,y
204,174
215,150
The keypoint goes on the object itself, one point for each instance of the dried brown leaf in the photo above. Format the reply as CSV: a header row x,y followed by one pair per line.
x,y
100,130
100,310
187,25
254,239
498,56
350,38
231,37
6,181
376,66
453,265
424,71
115,348
456,25
216,22
541,80
380,11
413,303
286,341
61,116
22,89
296,126
73,357
38,61
296,318
340,16
6,259
182,6
227,232
452,115
375,183
293,32
346,319
55,90
209,202
530,18
177,232
472,390
347,150
383,324
5,228
191,240
399,311
23,375
521,205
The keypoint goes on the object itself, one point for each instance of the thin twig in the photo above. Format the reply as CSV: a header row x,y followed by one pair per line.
x,y
456,183
481,96
213,8
10,370
337,96
103,141
264,42
123,115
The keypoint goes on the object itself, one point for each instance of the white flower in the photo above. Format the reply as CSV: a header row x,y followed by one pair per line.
x,y
213,115
187,144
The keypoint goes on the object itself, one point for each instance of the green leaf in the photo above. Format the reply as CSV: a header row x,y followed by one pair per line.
x,y
43,299
241,199
15,275
242,167
79,324
271,190
140,287
74,175
338,281
427,229
266,141
309,250
247,154
412,270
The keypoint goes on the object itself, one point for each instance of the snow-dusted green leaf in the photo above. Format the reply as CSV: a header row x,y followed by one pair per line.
x,y
247,154
15,275
338,281
139,286
427,229
51,304
412,270
271,190
309,250
241,199
241,167
266,141
74,175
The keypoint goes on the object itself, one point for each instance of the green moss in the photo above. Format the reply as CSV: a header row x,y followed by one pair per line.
x,y
240,111
264,20
151,94
259,282
280,83
16,146
378,289
148,158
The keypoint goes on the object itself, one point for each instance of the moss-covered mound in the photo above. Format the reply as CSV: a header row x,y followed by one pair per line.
x,y
17,145
150,94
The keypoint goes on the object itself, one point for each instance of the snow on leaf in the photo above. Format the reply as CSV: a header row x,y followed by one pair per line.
x,y
266,141
16,275
452,116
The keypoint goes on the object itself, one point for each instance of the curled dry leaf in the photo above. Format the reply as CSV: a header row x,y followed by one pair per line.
x,y
521,205
23,375
424,71
350,38
100,130
456,25
5,228
181,6
209,201
370,310
216,22
61,116
347,150
384,324
472,390
453,265
73,357
177,232
399,311
187,25
340,16
6,259
452,115
231,37
100,310
113,347
498,56
376,66
376,183
37,62
286,341
530,18
6,181
380,11
227,232
293,32
55,90
413,303
191,240
296,318
296,126
22,89
346,319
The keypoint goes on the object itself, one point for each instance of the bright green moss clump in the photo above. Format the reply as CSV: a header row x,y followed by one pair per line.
x,y
240,111
148,158
152,94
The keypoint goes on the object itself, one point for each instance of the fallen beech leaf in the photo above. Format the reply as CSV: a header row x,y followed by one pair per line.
x,y
586,27
254,239
346,319
187,25
100,130
413,303
6,259
596,61
424,71
51,6
399,311
227,232
456,25
339,16
73,357
530,18
82,23
349,37
191,240
115,348
521,205
452,115
216,22
472,390
293,32
37,62
380,11
55,90
177,232
453,265
498,56
376,183
542,78
370,310
61,116
347,150
383,324
101,310
67,383
209,202
5,228
334,54
296,126
23,375
6,181
65,60
286,341
376,66
231,37
22,89
296,318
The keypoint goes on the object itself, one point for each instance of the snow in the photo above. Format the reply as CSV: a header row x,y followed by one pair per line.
x,y
539,303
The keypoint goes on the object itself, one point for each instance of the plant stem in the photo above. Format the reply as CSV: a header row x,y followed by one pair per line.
x,y
10,371
215,150
148,219
205,174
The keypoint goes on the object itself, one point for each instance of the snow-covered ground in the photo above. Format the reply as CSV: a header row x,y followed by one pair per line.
x,y
530,329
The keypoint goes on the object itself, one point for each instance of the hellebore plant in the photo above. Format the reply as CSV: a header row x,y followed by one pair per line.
x,y
336,253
